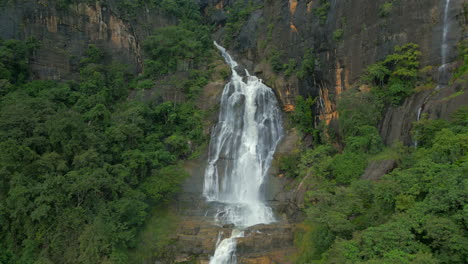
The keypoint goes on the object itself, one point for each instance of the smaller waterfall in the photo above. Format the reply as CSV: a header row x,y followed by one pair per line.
x,y
445,31
418,117
419,113
225,251
443,73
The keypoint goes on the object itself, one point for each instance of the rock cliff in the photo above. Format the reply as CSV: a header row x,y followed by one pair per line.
x,y
66,31
350,36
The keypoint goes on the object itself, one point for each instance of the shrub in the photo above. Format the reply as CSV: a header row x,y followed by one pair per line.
x,y
275,60
385,9
394,78
348,166
338,35
302,116
237,16
322,11
170,48
288,165
308,65
357,109
463,54
290,67
366,140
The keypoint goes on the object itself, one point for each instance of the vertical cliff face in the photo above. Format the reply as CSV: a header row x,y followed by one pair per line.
x,y
346,37
66,31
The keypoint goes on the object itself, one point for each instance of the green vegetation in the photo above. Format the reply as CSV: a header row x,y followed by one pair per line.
x,y
415,213
80,164
14,62
130,9
290,67
237,17
178,48
302,116
338,35
155,239
385,9
83,166
274,57
303,70
322,11
412,215
308,65
463,54
175,48
394,78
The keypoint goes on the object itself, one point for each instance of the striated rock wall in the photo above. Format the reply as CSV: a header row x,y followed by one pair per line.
x,y
66,31
290,27
369,33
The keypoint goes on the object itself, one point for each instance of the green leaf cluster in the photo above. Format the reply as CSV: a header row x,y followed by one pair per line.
x,y
322,11
415,214
80,163
308,65
238,13
302,117
394,78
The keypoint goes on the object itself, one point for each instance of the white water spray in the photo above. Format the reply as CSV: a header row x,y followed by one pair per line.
x,y
418,117
444,50
241,150
443,73
445,31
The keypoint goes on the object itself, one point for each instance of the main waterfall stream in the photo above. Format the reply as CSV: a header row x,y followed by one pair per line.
x,y
240,154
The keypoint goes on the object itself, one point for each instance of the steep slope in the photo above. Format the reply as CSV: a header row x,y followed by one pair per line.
x,y
66,29
317,49
345,37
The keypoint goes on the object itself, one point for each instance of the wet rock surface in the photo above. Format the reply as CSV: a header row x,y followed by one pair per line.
x,y
433,104
197,234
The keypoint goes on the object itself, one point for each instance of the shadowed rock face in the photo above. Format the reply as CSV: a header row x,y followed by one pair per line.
x,y
369,34
397,122
66,32
377,169
291,27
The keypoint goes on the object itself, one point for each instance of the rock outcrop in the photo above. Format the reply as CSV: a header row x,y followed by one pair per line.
x,y
66,31
353,35
197,234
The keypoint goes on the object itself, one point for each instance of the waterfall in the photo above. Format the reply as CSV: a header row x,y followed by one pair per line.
x,y
444,49
240,154
418,117
443,73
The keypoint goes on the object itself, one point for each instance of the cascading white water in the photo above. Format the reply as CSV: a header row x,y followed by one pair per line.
x,y
241,150
444,49
418,117
443,73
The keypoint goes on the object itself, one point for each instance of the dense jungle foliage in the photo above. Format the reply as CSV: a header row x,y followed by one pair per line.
x,y
82,164
85,164
417,213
